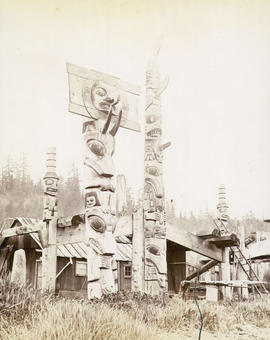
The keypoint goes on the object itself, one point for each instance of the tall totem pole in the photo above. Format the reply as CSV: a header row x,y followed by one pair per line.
x,y
155,265
106,102
48,232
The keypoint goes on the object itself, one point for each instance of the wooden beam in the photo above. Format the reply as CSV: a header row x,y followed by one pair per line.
x,y
235,283
25,229
112,80
225,241
193,242
203,269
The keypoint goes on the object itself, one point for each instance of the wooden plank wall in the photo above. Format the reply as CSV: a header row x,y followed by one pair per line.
x,y
67,281
176,256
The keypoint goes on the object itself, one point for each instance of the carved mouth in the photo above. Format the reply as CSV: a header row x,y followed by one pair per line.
x,y
154,132
104,106
51,189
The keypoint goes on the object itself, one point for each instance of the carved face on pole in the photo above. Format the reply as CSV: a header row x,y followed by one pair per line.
x,y
103,96
103,246
50,199
99,149
50,186
155,257
99,232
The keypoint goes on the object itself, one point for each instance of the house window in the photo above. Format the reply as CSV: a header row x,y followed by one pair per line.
x,y
81,268
127,271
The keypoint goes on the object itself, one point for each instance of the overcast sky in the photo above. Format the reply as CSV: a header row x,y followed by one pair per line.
x,y
215,108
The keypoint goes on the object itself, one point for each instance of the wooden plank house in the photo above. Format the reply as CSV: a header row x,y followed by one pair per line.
x,y
71,260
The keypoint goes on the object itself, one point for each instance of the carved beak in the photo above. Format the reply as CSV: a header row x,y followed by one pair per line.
x,y
107,124
115,128
116,125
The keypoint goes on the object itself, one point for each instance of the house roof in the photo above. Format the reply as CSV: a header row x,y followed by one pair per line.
x,y
259,249
78,250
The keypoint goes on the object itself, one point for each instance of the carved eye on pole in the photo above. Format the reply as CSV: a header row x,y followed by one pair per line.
x,y
100,91
97,224
152,170
97,148
48,181
154,250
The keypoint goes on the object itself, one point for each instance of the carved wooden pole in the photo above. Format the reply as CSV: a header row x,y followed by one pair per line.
x,y
99,206
137,279
155,265
106,102
222,207
48,233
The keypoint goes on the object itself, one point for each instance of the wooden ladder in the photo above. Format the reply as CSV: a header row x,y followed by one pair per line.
x,y
245,265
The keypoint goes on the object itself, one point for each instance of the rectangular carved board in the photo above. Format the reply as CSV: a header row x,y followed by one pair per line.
x,y
81,102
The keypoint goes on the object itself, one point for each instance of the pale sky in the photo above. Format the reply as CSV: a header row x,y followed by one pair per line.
x,y
215,108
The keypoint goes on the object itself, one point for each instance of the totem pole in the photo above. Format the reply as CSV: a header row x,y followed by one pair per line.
x,y
222,220
155,265
106,102
222,210
48,232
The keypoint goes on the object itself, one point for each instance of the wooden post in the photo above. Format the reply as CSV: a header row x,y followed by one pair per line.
x,y
18,273
48,232
106,102
49,259
155,264
121,196
137,278
241,275
226,292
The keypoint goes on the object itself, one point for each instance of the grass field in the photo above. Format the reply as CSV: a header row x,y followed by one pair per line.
x,y
27,315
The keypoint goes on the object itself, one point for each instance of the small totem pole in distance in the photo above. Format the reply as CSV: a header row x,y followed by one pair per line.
x,y
222,210
155,273
106,102
50,186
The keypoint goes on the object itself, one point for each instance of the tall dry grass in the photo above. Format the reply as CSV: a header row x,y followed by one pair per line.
x,y
28,315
